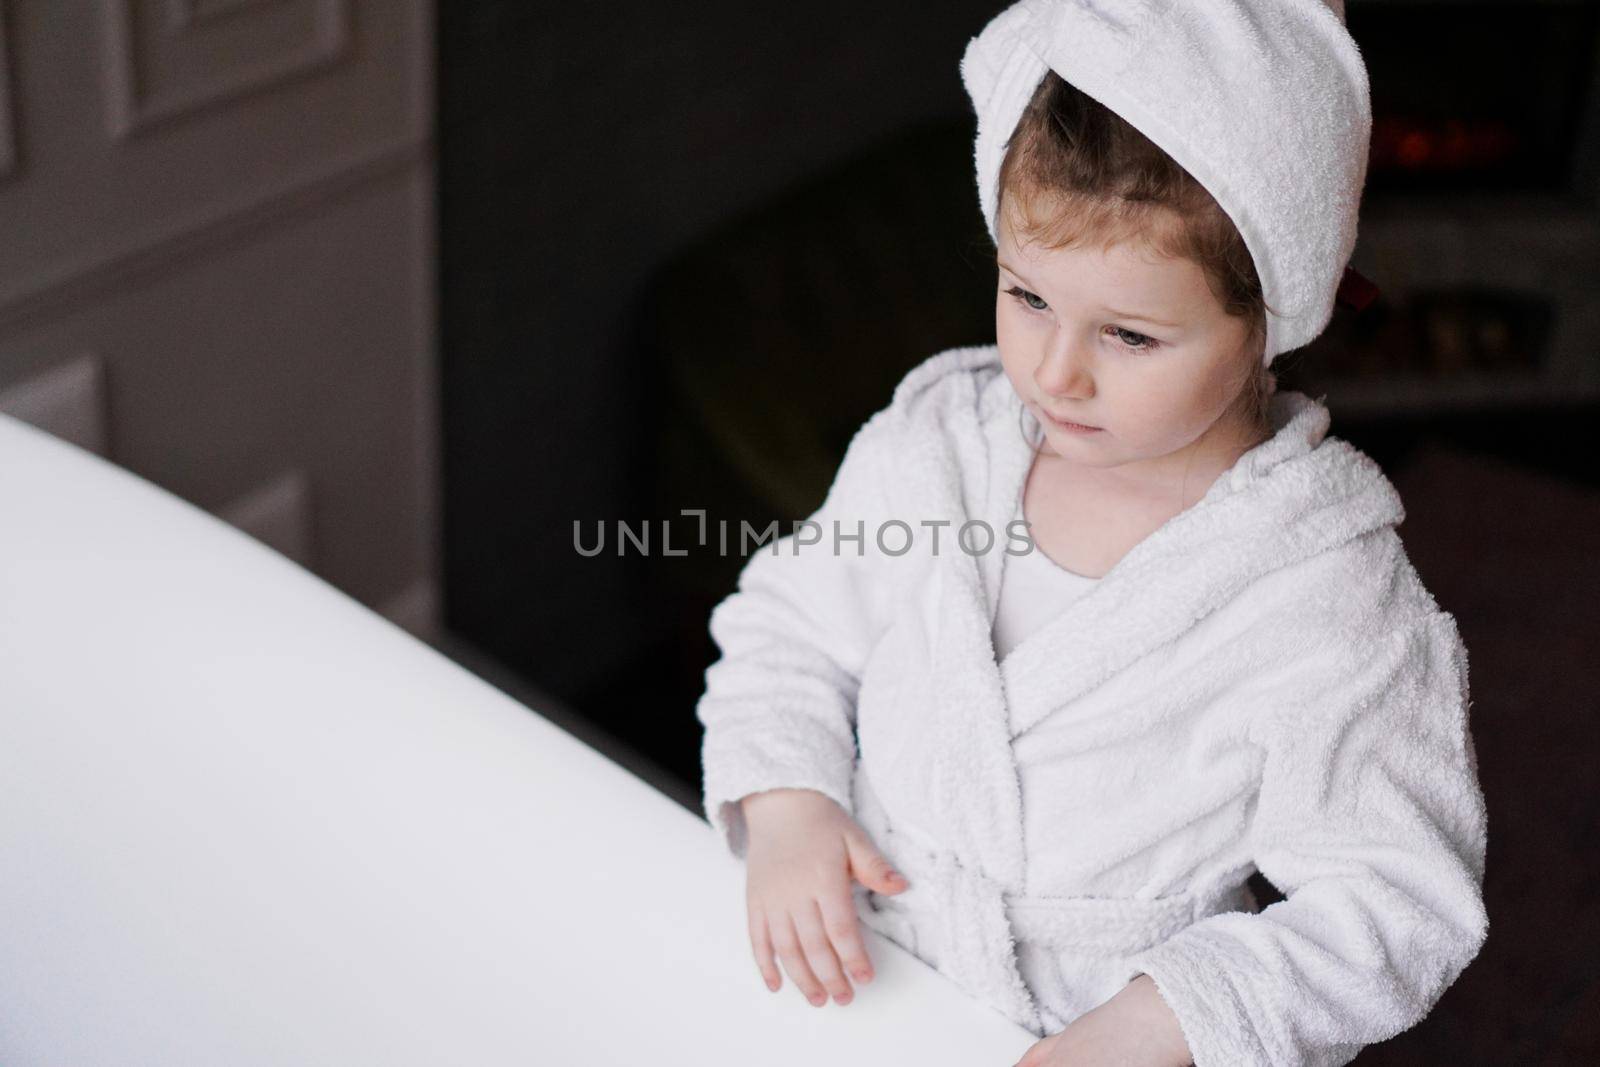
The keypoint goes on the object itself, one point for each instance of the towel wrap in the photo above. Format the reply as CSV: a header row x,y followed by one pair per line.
x,y
1265,103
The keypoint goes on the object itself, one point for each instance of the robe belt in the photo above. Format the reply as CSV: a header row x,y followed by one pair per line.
x,y
973,921
1116,925
963,913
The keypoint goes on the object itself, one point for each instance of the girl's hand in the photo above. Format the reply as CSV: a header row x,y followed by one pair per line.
x,y
1135,1028
803,851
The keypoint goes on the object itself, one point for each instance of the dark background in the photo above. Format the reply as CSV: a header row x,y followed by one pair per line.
x,y
685,253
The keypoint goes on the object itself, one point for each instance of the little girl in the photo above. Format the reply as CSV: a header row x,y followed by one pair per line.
x,y
1048,768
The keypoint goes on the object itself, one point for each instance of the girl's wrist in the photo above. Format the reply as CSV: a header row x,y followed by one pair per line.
x,y
766,798
780,805
1160,1023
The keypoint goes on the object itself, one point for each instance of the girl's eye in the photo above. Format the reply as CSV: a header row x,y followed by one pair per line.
x,y
1141,344
1026,298
1129,339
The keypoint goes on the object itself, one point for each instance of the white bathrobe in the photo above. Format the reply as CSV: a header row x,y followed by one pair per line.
x,y
1262,683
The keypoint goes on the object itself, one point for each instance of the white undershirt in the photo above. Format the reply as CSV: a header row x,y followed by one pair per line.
x,y
1034,589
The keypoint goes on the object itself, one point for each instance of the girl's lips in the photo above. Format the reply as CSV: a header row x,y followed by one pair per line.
x,y
1067,425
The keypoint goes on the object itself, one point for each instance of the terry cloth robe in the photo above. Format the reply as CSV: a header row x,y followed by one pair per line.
x,y
1263,683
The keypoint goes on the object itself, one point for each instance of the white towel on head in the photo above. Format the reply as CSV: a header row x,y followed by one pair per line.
x,y
1264,102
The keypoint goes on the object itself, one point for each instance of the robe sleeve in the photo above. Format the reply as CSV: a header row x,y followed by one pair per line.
x,y
1371,822
779,703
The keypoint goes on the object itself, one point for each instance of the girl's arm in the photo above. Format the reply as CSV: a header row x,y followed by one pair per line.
x,y
1372,822
779,704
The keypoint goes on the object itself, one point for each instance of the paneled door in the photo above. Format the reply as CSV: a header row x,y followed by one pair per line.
x,y
217,268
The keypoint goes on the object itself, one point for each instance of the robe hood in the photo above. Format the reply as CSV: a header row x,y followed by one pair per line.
x,y
1298,494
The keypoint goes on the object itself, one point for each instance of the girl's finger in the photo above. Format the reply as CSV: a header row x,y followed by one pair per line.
x,y
761,946
819,953
1035,1055
787,943
843,928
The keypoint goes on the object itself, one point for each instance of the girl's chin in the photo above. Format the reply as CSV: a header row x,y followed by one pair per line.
x,y
1073,447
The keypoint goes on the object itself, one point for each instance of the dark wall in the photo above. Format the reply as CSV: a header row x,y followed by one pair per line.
x,y
577,153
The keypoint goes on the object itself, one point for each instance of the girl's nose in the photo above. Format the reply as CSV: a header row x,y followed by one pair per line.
x,y
1064,370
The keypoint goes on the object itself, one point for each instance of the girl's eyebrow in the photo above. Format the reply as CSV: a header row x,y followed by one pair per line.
x,y
1112,311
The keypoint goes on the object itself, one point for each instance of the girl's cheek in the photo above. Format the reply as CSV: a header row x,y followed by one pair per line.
x,y
1004,317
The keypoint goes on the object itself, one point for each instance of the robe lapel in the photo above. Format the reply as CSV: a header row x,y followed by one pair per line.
x,y
1283,501
971,788
980,801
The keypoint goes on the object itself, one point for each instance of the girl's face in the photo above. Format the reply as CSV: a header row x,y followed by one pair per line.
x,y
1125,341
